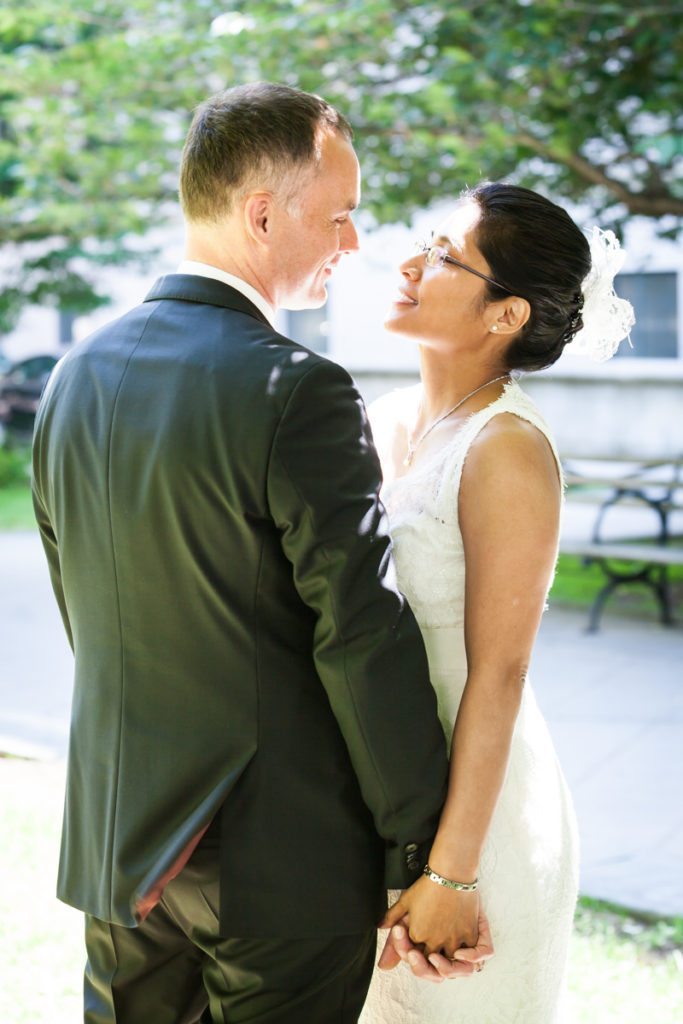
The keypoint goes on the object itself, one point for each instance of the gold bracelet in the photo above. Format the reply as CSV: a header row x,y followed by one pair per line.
x,y
433,876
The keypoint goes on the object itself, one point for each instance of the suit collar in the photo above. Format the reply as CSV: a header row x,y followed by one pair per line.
x,y
203,290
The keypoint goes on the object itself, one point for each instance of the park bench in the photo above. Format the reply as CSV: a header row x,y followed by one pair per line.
x,y
606,482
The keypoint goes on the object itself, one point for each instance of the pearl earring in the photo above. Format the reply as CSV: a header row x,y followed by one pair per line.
x,y
494,327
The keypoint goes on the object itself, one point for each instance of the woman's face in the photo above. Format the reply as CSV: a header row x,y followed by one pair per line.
x,y
440,305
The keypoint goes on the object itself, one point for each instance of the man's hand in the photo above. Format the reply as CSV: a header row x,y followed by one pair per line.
x,y
458,943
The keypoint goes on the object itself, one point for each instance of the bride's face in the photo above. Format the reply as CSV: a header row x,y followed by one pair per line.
x,y
439,305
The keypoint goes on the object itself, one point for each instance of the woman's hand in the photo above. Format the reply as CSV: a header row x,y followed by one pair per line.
x,y
438,968
440,920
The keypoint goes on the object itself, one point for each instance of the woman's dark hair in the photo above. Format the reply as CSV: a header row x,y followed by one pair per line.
x,y
536,251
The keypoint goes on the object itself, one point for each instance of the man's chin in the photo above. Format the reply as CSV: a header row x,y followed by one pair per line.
x,y
313,300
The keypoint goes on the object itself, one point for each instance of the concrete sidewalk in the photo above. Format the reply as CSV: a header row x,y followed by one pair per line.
x,y
614,703
35,659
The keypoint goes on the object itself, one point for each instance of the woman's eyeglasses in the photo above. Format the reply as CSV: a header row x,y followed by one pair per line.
x,y
437,255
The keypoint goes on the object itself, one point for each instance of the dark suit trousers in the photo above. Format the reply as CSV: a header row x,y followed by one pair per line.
x,y
176,969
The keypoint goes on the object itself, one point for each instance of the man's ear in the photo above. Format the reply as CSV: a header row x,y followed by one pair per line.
x,y
258,212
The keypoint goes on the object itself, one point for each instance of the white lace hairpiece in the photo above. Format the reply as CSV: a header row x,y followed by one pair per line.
x,y
607,319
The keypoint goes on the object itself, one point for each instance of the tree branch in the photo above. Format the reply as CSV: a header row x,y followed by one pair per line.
x,y
647,203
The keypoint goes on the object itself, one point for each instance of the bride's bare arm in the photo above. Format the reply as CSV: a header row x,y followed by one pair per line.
x,y
509,517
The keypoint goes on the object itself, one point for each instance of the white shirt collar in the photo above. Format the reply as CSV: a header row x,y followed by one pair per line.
x,y
249,292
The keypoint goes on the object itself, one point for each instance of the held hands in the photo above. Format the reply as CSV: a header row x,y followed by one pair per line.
x,y
440,933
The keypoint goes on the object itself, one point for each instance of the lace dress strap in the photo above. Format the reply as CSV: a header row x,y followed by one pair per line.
x,y
512,400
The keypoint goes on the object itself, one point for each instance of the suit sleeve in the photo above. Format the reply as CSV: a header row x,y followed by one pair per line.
x,y
323,484
49,541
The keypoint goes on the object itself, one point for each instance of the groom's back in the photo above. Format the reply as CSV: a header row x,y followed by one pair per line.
x,y
151,428
151,460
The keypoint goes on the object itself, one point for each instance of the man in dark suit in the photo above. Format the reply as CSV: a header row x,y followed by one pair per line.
x,y
255,752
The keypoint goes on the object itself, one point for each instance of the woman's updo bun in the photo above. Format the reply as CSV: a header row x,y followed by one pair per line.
x,y
535,249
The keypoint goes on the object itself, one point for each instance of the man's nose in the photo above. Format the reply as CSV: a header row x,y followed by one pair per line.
x,y
349,237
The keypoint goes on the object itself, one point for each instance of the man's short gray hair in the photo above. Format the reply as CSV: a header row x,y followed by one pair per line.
x,y
262,135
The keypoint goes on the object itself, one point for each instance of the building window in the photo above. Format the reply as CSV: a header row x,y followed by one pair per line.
x,y
310,327
653,297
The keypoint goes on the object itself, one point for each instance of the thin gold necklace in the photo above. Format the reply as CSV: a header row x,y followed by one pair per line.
x,y
412,448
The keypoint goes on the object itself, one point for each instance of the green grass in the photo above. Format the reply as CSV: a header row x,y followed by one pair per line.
x,y
624,969
576,585
40,939
16,509
15,464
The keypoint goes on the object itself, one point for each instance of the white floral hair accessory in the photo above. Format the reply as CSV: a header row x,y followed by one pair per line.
x,y
607,319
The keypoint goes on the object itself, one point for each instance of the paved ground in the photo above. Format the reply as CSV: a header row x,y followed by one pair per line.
x,y
35,659
614,703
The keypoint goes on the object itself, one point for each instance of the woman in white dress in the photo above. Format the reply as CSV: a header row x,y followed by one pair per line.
x,y
473,488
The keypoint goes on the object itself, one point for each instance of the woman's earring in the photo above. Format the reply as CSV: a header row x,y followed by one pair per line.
x,y
494,327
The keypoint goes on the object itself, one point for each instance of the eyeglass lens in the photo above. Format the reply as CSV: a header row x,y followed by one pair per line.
x,y
435,256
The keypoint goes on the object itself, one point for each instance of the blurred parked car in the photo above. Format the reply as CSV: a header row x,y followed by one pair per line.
x,y
21,386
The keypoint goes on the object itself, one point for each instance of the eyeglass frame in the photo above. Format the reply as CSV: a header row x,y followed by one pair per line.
x,y
422,247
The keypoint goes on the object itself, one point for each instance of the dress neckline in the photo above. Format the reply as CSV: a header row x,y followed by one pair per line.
x,y
438,455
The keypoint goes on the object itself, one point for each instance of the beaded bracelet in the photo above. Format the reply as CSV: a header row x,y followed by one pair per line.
x,y
433,876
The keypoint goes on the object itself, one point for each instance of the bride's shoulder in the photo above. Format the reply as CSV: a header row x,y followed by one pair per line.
x,y
511,450
393,408
389,417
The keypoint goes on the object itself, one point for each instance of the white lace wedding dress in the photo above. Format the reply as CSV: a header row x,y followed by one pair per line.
x,y
528,872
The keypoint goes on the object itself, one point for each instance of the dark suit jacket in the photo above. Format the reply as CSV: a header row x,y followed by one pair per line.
x,y
206,492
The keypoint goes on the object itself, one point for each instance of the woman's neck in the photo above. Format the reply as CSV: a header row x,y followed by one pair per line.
x,y
445,382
